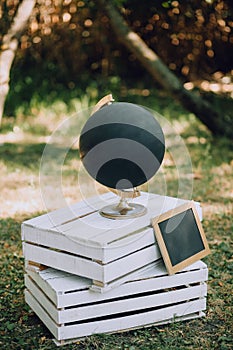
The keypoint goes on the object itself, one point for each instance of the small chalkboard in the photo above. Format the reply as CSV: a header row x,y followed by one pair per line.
x,y
180,237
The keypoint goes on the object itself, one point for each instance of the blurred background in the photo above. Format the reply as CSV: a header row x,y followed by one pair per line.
x,y
68,51
58,58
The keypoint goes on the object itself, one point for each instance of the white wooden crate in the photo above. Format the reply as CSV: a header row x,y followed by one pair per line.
x,y
70,310
78,240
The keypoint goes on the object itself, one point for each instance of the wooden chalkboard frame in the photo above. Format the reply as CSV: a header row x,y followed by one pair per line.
x,y
173,268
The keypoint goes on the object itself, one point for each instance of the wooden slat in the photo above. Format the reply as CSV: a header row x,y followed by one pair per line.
x,y
58,240
87,268
103,288
149,317
128,305
73,290
116,324
177,319
115,250
106,251
93,234
160,270
128,244
111,307
144,273
51,293
59,216
42,314
43,299
64,262
97,230
58,289
130,263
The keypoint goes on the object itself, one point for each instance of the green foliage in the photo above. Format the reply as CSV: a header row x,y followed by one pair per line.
x,y
167,4
22,156
71,44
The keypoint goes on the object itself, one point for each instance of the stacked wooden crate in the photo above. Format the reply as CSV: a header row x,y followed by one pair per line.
x,y
87,274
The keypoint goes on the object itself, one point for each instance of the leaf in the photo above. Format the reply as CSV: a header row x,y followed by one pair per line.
x,y
10,326
166,4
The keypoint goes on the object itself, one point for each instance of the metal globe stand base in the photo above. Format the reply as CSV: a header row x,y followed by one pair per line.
x,y
123,210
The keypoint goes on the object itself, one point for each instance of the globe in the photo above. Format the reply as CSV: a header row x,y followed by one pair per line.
x,y
122,145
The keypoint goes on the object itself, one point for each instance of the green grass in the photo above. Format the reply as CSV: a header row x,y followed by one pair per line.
x,y
212,167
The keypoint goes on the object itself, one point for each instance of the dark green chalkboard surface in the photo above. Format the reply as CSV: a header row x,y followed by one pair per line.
x,y
180,236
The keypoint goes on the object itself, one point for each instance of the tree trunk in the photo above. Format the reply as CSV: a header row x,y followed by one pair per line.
x,y
9,46
216,123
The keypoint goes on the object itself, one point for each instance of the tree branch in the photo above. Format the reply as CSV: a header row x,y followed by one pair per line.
x,y
161,73
9,46
19,22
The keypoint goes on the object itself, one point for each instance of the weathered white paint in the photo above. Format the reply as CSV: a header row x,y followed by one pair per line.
x,y
66,290
79,240
124,322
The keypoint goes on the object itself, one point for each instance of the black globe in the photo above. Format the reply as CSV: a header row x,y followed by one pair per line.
x,y
122,145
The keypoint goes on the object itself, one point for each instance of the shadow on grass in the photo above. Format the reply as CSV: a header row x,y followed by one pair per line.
x,y
17,321
27,155
203,144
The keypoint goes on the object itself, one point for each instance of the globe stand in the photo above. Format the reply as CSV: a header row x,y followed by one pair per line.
x,y
121,142
124,209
